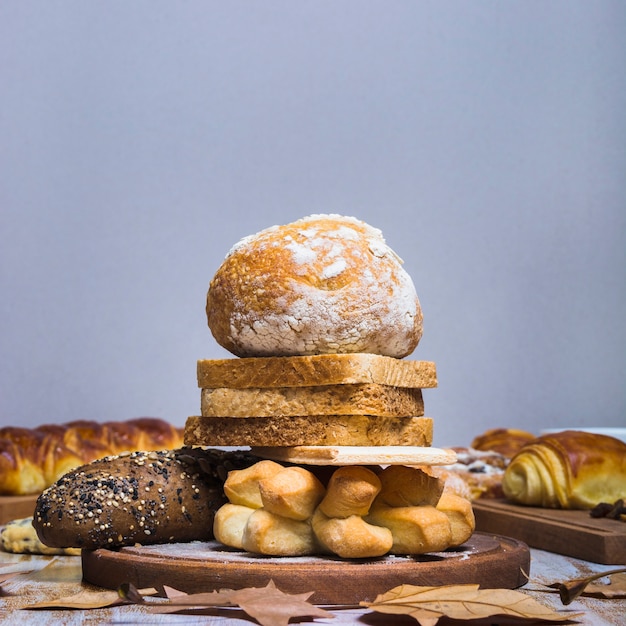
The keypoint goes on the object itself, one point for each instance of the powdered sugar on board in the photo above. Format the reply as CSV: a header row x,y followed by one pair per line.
x,y
216,552
358,455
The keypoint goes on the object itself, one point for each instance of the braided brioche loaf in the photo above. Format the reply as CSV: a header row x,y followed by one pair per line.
x,y
32,459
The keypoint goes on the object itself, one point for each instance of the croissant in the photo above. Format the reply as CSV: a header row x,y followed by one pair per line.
x,y
567,470
32,459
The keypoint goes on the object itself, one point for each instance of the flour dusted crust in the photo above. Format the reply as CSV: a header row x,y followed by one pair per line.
x,y
323,284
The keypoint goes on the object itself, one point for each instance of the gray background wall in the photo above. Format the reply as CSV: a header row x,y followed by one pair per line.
x,y
140,140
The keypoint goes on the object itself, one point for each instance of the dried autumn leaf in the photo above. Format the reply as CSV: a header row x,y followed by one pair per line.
x,y
131,594
615,589
4,578
462,602
8,576
271,607
571,589
10,571
268,605
181,601
87,599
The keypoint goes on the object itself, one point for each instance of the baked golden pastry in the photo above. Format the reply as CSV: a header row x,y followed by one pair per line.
x,y
32,459
351,537
294,492
476,473
415,529
567,470
271,534
351,491
323,284
242,486
409,486
460,515
505,441
357,515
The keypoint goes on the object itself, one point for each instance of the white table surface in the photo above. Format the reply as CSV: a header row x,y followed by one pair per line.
x,y
62,577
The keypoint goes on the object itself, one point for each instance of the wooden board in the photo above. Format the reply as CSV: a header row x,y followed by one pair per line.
x,y
16,507
358,455
572,533
490,561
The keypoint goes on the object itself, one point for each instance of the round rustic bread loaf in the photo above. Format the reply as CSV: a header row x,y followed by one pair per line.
x,y
323,284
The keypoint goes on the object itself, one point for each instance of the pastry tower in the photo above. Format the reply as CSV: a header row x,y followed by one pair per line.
x,y
319,316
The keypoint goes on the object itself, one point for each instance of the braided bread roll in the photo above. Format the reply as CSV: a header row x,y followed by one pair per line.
x,y
504,441
32,459
567,470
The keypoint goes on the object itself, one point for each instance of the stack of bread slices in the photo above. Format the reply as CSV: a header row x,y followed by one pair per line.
x,y
320,315
321,400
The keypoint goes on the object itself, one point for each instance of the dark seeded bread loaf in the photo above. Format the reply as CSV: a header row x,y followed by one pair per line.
x,y
140,497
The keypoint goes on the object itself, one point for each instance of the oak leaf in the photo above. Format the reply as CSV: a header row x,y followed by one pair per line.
x,y
268,605
462,602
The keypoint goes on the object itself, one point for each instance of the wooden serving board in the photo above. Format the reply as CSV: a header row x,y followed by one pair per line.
x,y
487,560
16,507
572,533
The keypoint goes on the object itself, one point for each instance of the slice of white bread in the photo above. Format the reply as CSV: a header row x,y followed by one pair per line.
x,y
359,399
315,370
324,430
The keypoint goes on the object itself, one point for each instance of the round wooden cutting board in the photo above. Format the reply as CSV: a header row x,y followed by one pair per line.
x,y
490,561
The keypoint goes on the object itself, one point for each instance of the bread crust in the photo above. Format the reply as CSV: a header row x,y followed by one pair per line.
x,y
351,491
139,497
323,284
415,529
408,486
